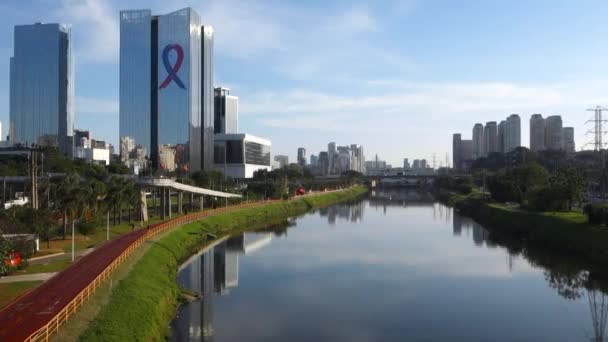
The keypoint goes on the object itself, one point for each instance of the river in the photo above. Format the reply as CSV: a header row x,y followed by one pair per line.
x,y
396,266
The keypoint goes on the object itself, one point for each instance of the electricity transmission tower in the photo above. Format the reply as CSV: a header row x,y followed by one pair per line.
x,y
597,131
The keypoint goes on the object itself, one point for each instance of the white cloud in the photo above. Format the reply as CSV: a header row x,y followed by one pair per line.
x,y
90,105
96,31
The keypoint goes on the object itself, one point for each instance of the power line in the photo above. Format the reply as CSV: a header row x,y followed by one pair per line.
x,y
597,130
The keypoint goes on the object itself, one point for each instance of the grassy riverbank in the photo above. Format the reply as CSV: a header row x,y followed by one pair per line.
x,y
565,232
143,303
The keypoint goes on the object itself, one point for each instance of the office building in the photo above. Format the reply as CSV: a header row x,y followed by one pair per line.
x,y
240,155
226,112
553,133
512,133
490,135
537,133
301,156
1,136
406,164
166,88
282,160
82,138
478,142
42,86
568,139
357,158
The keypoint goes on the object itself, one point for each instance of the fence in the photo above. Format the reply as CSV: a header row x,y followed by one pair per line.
x,y
53,325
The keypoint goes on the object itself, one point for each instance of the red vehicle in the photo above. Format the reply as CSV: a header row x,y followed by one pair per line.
x,y
300,191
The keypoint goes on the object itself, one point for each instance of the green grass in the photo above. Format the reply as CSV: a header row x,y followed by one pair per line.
x,y
150,290
54,266
566,232
10,291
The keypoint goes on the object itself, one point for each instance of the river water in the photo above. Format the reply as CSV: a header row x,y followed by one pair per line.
x,y
396,266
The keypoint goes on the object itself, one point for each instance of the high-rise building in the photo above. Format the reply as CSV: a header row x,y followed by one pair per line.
x,y
537,133
323,163
568,139
302,156
82,138
166,88
512,133
282,160
462,152
406,164
501,137
42,86
478,141
226,112
1,136
553,133
490,135
331,155
314,160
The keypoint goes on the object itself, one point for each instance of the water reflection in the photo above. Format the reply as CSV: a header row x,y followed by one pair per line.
x,y
410,264
214,271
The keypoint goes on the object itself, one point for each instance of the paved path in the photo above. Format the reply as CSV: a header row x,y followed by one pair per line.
x,y
21,318
27,277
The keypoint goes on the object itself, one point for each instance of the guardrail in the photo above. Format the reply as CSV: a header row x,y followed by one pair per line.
x,y
53,325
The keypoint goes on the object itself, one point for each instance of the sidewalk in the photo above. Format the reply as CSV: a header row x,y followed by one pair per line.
x,y
27,277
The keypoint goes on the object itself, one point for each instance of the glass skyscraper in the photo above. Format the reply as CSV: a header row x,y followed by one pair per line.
x,y
165,67
42,86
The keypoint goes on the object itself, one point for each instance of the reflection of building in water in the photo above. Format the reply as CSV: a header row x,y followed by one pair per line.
x,y
480,234
215,271
598,304
348,212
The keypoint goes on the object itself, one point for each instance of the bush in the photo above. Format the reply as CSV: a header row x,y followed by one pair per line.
x,y
503,189
547,199
596,213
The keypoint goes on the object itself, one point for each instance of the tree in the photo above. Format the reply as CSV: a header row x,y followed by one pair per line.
x,y
5,251
571,182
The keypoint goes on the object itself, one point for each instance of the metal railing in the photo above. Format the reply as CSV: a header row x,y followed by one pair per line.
x,y
60,318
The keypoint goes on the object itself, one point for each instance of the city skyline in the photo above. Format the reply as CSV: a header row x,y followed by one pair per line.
x,y
306,101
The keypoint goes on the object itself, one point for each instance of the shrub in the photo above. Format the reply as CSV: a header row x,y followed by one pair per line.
x,y
596,213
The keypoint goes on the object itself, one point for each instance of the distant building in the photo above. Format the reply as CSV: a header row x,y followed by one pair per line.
x,y
478,142
568,140
282,160
501,138
490,135
406,164
537,133
240,155
512,133
331,155
226,112
314,160
82,138
553,133
462,152
42,86
301,156
323,164
99,156
1,136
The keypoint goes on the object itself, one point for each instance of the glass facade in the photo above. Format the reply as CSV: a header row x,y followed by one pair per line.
x,y
226,112
207,96
230,151
42,87
179,84
135,79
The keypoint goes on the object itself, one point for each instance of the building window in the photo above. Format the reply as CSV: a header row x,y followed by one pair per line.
x,y
257,154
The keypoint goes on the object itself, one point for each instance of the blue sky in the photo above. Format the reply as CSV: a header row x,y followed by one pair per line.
x,y
397,76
